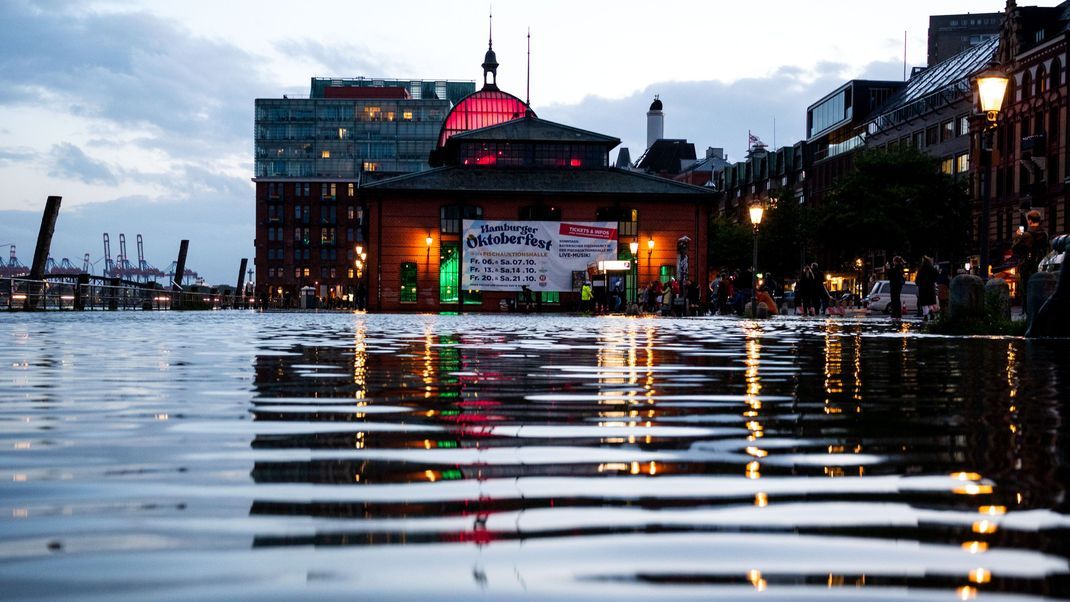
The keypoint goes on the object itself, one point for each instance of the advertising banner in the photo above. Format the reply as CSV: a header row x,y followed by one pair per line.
x,y
502,255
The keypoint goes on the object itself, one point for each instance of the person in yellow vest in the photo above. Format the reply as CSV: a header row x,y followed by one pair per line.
x,y
586,296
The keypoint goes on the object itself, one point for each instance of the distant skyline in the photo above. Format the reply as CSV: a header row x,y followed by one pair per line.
x,y
140,114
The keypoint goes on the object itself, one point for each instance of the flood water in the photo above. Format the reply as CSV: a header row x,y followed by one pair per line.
x,y
235,455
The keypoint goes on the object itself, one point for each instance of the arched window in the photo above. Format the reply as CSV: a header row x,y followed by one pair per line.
x,y
1027,86
1042,81
1055,77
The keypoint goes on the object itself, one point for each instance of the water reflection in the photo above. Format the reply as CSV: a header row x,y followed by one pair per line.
x,y
558,457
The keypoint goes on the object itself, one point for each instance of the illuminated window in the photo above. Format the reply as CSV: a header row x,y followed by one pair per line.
x,y
962,163
343,133
297,272
666,272
449,274
408,282
350,272
407,115
371,166
372,113
947,166
352,190
307,272
325,154
389,115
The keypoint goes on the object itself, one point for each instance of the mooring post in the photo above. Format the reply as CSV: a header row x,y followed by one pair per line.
x,y
180,270
113,296
239,293
80,291
40,253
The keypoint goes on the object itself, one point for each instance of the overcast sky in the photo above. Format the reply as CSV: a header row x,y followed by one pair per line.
x,y
140,114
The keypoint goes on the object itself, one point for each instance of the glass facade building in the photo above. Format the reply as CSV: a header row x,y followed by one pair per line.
x,y
350,126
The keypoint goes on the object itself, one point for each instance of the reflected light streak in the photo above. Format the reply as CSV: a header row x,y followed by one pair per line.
x,y
980,575
966,592
975,547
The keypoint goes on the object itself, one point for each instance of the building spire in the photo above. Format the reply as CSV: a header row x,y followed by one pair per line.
x,y
490,60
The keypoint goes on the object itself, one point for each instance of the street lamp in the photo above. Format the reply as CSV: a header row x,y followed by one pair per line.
x,y
756,211
634,248
649,252
991,88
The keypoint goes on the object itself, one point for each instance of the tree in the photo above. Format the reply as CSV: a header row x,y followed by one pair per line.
x,y
784,235
730,244
898,202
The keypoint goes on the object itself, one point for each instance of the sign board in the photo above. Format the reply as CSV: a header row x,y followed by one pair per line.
x,y
504,255
616,265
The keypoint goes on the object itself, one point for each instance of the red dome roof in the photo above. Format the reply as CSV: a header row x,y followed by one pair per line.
x,y
479,110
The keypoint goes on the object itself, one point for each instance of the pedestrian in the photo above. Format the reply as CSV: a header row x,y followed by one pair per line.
x,y
693,300
525,294
896,279
724,292
804,291
926,283
1030,246
586,297
654,296
617,295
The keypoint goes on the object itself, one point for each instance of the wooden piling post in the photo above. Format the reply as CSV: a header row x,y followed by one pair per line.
x,y
40,253
180,270
239,293
80,291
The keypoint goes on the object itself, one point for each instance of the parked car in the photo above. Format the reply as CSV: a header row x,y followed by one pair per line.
x,y
880,297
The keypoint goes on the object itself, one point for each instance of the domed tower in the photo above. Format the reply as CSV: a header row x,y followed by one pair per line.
x,y
483,108
655,122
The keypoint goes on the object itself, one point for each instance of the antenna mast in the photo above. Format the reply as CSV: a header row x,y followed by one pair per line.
x,y
527,95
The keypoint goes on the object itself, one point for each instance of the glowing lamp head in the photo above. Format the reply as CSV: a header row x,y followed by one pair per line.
x,y
991,88
650,244
360,249
429,240
756,212
634,246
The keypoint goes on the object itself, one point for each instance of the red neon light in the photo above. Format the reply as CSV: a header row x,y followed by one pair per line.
x,y
575,163
482,109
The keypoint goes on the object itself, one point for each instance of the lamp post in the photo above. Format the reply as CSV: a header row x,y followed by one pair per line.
x,y
756,211
991,88
649,252
634,248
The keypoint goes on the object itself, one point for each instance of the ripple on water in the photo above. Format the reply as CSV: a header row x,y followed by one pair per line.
x,y
309,455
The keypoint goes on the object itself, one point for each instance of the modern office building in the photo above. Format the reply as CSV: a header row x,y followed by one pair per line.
x,y
950,35
311,154
835,130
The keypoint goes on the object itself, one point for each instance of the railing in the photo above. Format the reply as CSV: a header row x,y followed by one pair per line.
x,y
20,294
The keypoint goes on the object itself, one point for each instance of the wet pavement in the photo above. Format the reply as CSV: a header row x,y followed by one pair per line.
x,y
273,456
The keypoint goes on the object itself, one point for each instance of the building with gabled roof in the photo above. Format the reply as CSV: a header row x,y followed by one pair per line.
x,y
526,169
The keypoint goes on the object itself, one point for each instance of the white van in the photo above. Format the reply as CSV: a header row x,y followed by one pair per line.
x,y
880,297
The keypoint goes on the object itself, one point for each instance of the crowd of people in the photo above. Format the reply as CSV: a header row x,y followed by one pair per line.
x,y
731,291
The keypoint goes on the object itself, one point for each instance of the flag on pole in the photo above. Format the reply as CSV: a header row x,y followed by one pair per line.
x,y
752,140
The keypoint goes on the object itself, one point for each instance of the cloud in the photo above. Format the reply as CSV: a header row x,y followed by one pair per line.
x,y
16,155
131,69
68,161
339,59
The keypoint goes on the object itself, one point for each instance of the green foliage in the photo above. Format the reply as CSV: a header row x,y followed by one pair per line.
x,y
785,234
897,201
730,244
